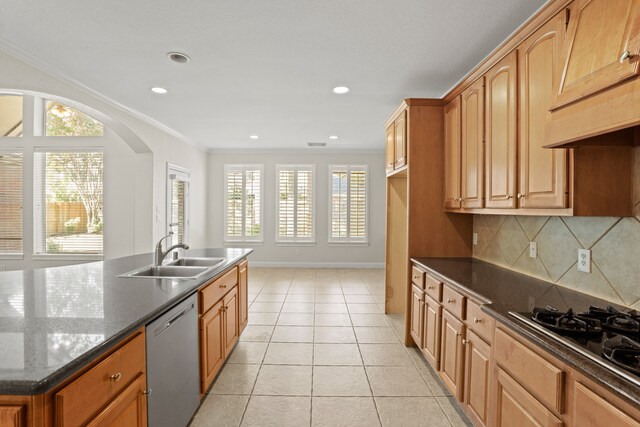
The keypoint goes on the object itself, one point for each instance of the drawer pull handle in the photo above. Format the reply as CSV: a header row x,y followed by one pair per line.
x,y
115,377
476,320
451,301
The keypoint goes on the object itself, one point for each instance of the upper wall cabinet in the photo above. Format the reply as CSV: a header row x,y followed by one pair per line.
x,y
472,169
452,146
543,172
603,44
501,144
396,145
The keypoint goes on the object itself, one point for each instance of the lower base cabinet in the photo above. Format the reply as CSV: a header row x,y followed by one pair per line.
x,y
592,410
516,407
452,353
477,375
431,342
243,294
128,409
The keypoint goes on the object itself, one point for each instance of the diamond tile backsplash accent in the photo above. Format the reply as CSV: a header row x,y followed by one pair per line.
x,y
614,244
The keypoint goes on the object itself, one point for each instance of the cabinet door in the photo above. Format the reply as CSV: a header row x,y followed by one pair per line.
x,y
431,344
417,311
477,375
472,168
243,294
501,122
603,43
390,147
212,344
452,140
129,408
12,416
452,354
516,407
231,322
400,153
592,410
543,172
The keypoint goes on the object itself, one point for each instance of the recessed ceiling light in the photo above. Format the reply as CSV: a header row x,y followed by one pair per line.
x,y
333,137
254,137
341,89
179,57
159,90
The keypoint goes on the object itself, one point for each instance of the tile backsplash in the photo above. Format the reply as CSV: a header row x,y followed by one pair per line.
x,y
614,244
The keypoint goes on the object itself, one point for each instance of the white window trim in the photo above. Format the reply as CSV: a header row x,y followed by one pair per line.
x,y
178,173
348,241
16,255
257,240
296,241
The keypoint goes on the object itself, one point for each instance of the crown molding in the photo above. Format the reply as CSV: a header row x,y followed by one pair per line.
x,y
21,54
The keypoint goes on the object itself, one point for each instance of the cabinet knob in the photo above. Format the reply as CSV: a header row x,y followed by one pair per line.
x,y
509,196
451,301
147,392
625,55
223,286
431,287
464,342
520,196
416,277
115,377
476,320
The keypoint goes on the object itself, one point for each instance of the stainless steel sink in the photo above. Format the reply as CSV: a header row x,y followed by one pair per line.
x,y
167,272
197,262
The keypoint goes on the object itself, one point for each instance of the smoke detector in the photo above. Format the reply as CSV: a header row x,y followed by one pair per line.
x,y
178,57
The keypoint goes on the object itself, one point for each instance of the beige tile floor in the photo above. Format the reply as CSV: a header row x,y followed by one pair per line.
x,y
318,351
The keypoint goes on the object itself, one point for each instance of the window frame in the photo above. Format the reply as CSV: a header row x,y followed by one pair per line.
x,y
178,173
244,167
348,241
21,152
295,241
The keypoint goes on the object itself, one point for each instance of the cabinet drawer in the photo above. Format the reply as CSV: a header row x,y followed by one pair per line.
x,y
453,302
210,294
417,277
540,377
480,322
433,288
83,398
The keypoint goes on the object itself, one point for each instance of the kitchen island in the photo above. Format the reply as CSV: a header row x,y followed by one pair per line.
x,y
57,323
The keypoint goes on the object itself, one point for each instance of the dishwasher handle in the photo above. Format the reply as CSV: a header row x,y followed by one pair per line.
x,y
173,320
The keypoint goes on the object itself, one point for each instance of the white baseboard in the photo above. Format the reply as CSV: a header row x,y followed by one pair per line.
x,y
269,264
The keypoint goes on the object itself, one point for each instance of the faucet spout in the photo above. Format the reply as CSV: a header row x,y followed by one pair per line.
x,y
159,255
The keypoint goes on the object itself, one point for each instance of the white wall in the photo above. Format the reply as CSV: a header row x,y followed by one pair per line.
x,y
321,254
135,167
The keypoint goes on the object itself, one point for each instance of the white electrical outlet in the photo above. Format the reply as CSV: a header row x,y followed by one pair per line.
x,y
533,249
475,239
584,260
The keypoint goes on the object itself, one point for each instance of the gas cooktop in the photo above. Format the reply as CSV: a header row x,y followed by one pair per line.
x,y
607,336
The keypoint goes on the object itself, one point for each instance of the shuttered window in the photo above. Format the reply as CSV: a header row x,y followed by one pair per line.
x,y
177,204
348,204
10,203
68,201
295,216
243,203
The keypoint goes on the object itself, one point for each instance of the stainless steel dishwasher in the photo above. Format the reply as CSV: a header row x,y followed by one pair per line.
x,y
172,366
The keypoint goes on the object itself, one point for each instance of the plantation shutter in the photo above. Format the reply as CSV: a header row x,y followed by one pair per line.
x,y
348,204
68,201
295,203
178,204
10,203
243,202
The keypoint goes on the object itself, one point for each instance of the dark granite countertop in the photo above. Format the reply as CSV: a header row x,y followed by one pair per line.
x,y
54,321
501,291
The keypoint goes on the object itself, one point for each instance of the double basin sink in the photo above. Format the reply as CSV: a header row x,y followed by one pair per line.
x,y
181,268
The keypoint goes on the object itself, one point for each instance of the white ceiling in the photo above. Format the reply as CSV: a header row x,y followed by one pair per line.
x,y
265,67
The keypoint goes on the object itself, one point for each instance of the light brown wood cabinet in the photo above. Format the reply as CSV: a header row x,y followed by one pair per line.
x,y
452,152
452,353
12,415
390,148
243,294
602,48
501,133
396,145
472,146
516,407
593,407
477,377
417,313
543,172
431,328
129,408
